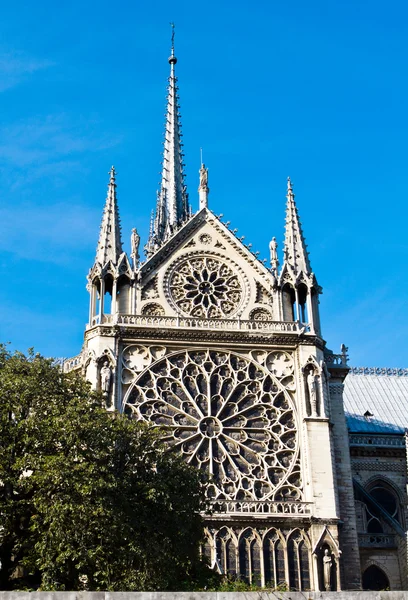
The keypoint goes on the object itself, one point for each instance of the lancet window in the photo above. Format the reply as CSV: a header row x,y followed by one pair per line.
x,y
271,560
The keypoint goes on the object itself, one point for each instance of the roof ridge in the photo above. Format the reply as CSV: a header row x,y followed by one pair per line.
x,y
396,371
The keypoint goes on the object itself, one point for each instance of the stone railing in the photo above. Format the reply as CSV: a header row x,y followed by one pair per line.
x,y
69,364
104,320
210,324
265,507
336,360
377,540
377,440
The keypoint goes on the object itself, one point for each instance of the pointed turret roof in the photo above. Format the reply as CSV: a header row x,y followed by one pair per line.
x,y
110,243
295,254
172,207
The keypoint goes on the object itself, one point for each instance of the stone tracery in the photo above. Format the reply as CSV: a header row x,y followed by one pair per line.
x,y
204,286
228,415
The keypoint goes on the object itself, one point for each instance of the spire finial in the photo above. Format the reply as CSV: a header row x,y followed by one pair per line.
x,y
172,59
290,189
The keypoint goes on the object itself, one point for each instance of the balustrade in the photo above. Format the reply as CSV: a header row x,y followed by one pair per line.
x,y
284,509
377,540
211,324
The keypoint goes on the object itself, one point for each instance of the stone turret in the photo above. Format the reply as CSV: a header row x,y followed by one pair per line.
x,y
111,273
297,281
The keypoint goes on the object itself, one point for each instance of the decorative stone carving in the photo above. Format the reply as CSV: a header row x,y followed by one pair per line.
x,y
205,286
225,414
153,310
260,314
262,295
150,291
136,357
279,363
205,239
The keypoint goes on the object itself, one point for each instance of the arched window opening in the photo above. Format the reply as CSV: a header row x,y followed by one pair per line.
x,y
244,560
314,297
288,302
373,521
206,551
255,556
293,562
250,558
230,558
123,295
375,579
226,553
302,298
387,499
280,564
107,302
269,560
304,566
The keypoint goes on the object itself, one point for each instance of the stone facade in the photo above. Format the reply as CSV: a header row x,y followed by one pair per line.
x,y
226,354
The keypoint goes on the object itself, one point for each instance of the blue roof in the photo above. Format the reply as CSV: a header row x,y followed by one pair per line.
x,y
382,395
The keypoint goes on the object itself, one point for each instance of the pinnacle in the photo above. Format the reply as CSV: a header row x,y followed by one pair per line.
x,y
295,253
110,243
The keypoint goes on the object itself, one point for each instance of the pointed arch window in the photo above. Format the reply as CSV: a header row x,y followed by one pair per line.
x,y
250,557
298,563
226,550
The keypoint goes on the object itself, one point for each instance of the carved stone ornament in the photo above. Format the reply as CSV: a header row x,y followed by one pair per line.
x,y
205,239
150,291
136,358
260,314
228,415
153,310
279,363
205,286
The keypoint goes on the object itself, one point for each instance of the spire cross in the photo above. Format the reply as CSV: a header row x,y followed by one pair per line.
x,y
173,28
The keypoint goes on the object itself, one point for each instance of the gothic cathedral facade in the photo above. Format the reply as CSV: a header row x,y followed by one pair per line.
x,y
226,355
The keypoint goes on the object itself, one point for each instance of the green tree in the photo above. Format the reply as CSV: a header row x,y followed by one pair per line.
x,y
88,499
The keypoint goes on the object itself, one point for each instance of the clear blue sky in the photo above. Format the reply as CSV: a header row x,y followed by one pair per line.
x,y
315,90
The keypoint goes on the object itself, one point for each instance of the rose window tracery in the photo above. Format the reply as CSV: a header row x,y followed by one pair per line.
x,y
226,414
204,286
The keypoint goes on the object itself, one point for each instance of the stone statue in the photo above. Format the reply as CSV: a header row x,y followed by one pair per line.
x,y
327,565
135,241
311,384
106,376
273,250
203,178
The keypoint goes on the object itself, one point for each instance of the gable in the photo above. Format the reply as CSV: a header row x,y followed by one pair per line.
x,y
204,271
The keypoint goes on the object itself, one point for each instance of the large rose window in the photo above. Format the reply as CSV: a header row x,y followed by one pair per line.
x,y
225,414
203,286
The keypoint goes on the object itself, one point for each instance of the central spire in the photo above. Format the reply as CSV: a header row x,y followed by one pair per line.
x,y
172,207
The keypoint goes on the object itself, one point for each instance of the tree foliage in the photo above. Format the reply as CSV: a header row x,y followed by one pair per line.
x,y
88,499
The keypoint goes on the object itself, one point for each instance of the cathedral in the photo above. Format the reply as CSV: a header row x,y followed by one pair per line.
x,y
225,353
